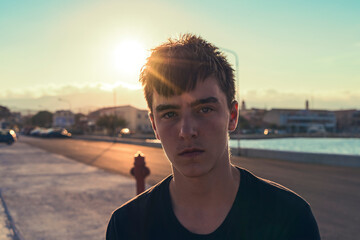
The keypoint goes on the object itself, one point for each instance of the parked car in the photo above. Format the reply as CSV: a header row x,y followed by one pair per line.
x,y
36,132
45,132
125,132
58,133
50,132
26,130
8,136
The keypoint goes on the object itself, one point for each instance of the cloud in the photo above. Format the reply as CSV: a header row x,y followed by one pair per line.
x,y
65,89
78,97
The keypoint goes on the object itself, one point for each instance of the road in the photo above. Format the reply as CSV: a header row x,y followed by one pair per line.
x,y
333,192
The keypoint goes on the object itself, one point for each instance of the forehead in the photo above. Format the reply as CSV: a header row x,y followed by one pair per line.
x,y
203,89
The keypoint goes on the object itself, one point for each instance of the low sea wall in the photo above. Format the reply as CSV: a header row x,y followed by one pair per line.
x,y
318,158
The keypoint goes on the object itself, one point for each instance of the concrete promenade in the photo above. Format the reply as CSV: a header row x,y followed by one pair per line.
x,y
52,194
48,196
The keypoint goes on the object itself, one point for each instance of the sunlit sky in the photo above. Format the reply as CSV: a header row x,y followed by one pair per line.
x,y
77,50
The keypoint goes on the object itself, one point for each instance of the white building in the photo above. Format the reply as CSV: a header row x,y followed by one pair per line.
x,y
137,119
63,118
302,121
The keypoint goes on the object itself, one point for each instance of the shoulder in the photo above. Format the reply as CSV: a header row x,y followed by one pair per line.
x,y
272,192
277,206
137,212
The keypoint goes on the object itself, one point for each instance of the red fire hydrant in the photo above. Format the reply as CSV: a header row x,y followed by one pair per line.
x,y
140,171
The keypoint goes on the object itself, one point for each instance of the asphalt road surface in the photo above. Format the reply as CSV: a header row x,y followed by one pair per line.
x,y
333,192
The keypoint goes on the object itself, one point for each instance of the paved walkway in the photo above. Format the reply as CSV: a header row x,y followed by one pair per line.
x,y
52,197
6,230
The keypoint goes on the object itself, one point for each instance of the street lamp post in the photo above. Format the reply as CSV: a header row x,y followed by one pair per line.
x,y
236,71
238,87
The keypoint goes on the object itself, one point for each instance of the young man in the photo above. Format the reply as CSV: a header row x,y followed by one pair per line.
x,y
189,88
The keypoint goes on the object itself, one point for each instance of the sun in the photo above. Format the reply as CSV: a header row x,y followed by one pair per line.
x,y
129,57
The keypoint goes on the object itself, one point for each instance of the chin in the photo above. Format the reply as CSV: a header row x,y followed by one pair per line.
x,y
193,170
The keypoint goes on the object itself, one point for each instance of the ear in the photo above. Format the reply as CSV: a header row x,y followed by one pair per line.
x,y
234,116
151,116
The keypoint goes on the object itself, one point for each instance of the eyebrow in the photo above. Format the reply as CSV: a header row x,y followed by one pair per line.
x,y
164,107
204,101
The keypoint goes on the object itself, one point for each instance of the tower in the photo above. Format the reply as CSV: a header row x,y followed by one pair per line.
x,y
243,106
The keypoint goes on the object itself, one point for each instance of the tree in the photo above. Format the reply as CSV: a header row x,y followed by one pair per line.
x,y
4,112
111,123
78,117
42,119
80,125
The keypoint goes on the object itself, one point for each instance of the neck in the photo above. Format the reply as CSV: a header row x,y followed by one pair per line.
x,y
201,204
217,187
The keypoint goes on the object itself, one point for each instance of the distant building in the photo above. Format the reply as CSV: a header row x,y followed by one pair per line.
x,y
4,117
302,121
243,105
137,119
63,118
9,119
16,116
3,124
348,120
143,123
254,116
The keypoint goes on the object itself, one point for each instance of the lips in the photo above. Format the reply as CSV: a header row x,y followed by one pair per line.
x,y
191,152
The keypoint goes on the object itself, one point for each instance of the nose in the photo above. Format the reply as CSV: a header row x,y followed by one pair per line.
x,y
188,128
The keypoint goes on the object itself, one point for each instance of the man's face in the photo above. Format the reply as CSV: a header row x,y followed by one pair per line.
x,y
193,128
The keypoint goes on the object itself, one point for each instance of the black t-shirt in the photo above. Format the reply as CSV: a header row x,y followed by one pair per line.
x,y
262,210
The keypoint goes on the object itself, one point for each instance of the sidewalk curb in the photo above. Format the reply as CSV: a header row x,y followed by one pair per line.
x,y
118,140
16,232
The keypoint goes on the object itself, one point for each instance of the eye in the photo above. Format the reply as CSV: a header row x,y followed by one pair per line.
x,y
206,109
168,115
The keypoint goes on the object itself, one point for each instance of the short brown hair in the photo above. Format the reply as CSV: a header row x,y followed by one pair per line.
x,y
175,67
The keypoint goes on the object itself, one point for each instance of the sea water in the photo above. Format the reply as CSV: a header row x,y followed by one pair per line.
x,y
347,146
